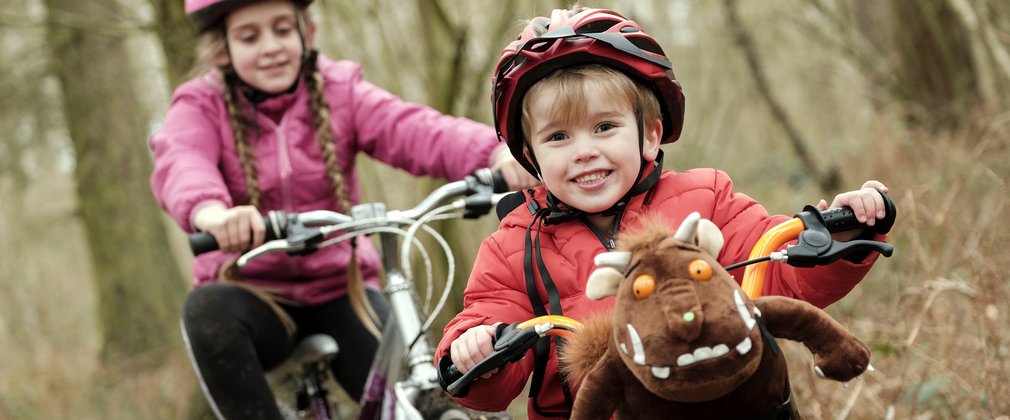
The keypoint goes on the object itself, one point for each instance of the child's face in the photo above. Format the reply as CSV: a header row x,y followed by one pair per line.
x,y
265,47
591,163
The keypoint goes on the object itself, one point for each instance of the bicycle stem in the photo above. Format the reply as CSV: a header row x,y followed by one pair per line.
x,y
406,310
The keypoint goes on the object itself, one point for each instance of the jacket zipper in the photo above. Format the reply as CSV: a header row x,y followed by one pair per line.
x,y
285,169
609,243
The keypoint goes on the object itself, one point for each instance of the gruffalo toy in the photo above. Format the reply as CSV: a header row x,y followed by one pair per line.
x,y
684,341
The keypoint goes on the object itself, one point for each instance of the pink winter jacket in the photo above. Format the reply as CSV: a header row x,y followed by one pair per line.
x,y
196,164
496,290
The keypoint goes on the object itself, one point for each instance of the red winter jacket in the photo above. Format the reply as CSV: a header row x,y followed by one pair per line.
x,y
496,291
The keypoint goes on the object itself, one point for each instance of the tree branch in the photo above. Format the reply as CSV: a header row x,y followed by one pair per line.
x,y
827,179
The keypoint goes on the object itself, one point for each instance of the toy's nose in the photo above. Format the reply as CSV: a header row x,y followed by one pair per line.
x,y
683,313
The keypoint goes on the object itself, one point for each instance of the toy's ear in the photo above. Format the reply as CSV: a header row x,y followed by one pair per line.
x,y
602,283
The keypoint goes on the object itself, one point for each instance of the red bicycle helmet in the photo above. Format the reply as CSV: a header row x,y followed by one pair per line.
x,y
205,13
591,36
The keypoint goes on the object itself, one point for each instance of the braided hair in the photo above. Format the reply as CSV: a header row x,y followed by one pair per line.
x,y
243,127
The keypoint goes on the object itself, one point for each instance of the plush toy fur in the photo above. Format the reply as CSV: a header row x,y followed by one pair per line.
x,y
693,347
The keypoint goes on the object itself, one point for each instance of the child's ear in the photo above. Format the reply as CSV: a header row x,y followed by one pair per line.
x,y
310,35
651,139
221,59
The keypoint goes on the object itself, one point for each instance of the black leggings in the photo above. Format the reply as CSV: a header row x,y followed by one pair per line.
x,y
233,337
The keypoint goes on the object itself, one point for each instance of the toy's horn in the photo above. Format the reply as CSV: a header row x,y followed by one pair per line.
x,y
614,259
688,228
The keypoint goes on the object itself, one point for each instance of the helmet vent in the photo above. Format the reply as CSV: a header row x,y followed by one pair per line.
x,y
505,66
596,26
646,44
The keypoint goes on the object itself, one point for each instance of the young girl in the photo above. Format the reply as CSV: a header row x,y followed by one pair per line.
x,y
584,99
273,126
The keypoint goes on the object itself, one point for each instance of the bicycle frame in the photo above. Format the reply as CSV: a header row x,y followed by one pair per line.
x,y
401,332
402,380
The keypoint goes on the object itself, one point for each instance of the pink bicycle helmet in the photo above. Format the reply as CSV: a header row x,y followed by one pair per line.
x,y
205,13
591,36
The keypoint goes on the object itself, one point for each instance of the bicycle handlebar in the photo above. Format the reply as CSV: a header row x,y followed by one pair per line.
x,y
511,342
479,191
813,229
815,247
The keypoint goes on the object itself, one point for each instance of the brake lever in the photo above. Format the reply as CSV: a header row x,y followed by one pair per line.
x,y
300,240
816,247
275,245
805,255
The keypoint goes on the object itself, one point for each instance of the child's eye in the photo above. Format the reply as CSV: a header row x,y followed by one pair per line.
x,y
247,38
557,137
605,127
284,29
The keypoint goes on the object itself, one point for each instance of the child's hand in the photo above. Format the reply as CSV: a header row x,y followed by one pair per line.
x,y
866,203
515,175
473,346
236,229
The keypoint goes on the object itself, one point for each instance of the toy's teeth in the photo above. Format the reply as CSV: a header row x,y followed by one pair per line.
x,y
744,346
636,344
741,308
661,372
701,353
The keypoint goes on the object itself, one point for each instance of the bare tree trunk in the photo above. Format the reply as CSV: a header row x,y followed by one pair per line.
x,y
828,179
139,284
177,36
932,50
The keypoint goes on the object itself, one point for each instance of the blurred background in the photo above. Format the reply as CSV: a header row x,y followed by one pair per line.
x,y
797,100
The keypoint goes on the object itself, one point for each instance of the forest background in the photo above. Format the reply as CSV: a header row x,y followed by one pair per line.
x,y
796,99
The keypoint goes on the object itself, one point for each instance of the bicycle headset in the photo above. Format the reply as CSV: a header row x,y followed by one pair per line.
x,y
207,15
589,36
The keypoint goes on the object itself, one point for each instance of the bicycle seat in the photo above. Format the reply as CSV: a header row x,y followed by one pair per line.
x,y
312,348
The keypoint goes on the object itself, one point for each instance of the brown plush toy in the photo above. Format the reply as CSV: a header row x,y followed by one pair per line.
x,y
684,341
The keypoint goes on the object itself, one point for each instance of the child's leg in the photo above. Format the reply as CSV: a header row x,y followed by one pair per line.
x,y
232,337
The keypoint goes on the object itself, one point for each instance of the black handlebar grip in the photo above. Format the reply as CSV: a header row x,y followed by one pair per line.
x,y
498,183
448,374
204,242
842,219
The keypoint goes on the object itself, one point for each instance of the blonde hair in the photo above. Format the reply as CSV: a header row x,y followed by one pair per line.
x,y
569,90
212,45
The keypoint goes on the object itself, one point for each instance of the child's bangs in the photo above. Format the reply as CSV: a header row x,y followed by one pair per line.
x,y
572,90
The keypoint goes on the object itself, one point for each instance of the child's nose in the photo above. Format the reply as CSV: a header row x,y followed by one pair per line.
x,y
271,43
585,149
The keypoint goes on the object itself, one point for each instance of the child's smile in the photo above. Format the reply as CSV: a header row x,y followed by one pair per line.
x,y
592,179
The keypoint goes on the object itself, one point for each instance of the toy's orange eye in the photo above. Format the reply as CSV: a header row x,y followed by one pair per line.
x,y
643,286
700,270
